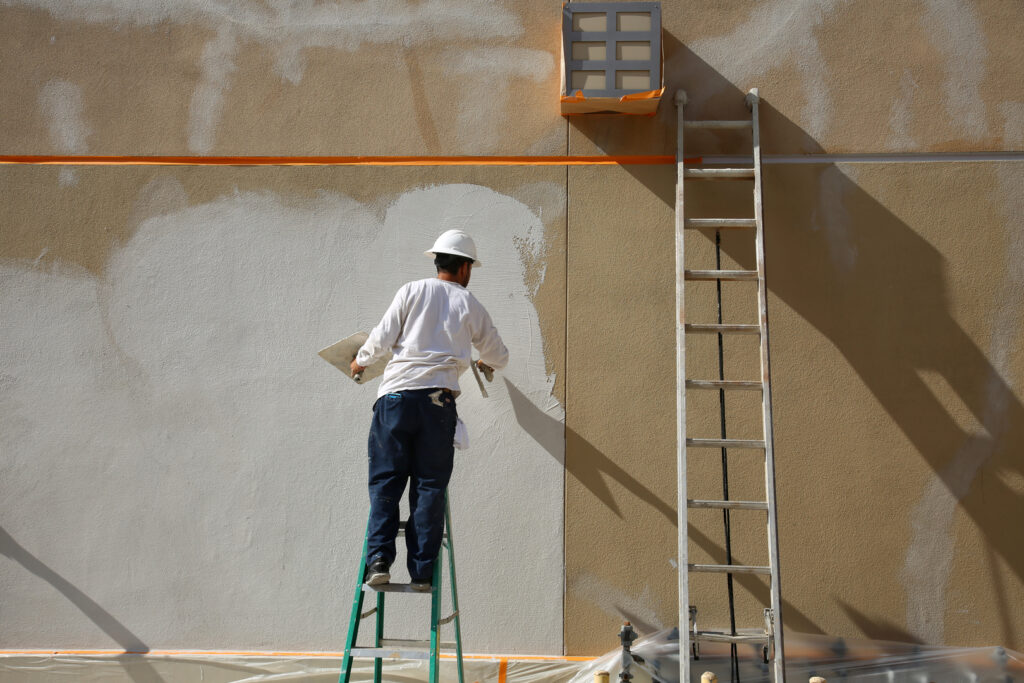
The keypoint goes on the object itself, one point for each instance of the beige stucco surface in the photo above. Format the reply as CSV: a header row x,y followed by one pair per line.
x,y
458,78
895,327
894,294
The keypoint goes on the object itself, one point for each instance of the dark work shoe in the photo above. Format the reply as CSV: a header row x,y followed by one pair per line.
x,y
377,572
421,585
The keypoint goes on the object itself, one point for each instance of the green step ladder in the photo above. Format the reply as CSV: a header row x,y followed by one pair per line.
x,y
385,648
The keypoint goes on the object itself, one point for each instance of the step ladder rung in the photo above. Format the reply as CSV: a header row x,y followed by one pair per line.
x,y
739,638
694,223
718,124
415,644
399,652
401,532
720,274
724,329
393,588
718,173
730,569
722,384
728,504
725,443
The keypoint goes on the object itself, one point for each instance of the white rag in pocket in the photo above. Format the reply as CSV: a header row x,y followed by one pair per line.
x,y
461,435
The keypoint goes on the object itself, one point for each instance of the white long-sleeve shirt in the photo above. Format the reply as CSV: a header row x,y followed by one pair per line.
x,y
430,326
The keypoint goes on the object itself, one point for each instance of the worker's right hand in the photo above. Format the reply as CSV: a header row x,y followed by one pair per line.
x,y
486,369
356,367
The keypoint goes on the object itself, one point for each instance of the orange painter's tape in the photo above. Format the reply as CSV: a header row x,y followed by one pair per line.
x,y
575,97
648,95
90,160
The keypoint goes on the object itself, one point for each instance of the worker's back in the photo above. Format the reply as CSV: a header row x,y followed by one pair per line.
x,y
440,321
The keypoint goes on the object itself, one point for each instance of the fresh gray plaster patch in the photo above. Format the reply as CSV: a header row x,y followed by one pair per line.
x,y
178,452
487,75
288,27
615,602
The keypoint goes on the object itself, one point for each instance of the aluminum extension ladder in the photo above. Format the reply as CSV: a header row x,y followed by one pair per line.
x,y
690,637
385,648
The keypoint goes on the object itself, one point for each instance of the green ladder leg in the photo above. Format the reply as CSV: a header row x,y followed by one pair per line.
x,y
357,611
436,622
455,592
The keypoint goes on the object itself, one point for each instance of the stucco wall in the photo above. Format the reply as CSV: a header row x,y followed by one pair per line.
x,y
181,470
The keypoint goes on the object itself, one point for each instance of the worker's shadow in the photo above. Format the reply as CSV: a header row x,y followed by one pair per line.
x,y
593,469
876,289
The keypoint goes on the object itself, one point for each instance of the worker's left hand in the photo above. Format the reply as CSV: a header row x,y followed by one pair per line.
x,y
356,367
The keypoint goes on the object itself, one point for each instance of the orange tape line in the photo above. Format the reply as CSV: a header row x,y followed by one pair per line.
x,y
243,653
595,160
503,671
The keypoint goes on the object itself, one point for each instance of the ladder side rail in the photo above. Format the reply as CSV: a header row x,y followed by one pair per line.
x,y
356,615
681,509
455,593
378,663
435,619
778,659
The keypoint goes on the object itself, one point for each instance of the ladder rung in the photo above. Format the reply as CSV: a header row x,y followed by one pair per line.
x,y
414,644
725,443
401,532
719,223
721,384
730,569
721,274
392,588
738,329
719,637
717,124
411,651
728,504
717,173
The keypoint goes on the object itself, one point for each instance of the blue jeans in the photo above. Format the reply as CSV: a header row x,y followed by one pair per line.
x,y
410,441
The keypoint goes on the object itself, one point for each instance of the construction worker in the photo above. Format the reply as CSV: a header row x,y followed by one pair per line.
x,y
429,327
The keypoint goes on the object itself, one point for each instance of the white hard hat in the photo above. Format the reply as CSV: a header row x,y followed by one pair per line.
x,y
455,242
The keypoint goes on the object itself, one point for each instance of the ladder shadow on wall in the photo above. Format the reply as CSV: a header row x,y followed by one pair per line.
x,y
135,666
875,287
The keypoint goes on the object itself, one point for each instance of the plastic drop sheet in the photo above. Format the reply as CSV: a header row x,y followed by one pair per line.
x,y
833,658
219,668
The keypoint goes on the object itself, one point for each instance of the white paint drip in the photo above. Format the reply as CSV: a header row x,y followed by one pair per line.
x,y
288,27
930,553
61,104
900,116
216,65
177,408
956,31
830,214
1013,123
776,32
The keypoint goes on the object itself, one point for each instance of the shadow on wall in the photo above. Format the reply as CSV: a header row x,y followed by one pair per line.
x,y
135,666
887,311
591,468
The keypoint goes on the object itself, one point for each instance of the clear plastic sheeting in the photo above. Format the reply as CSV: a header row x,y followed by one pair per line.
x,y
656,658
221,668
